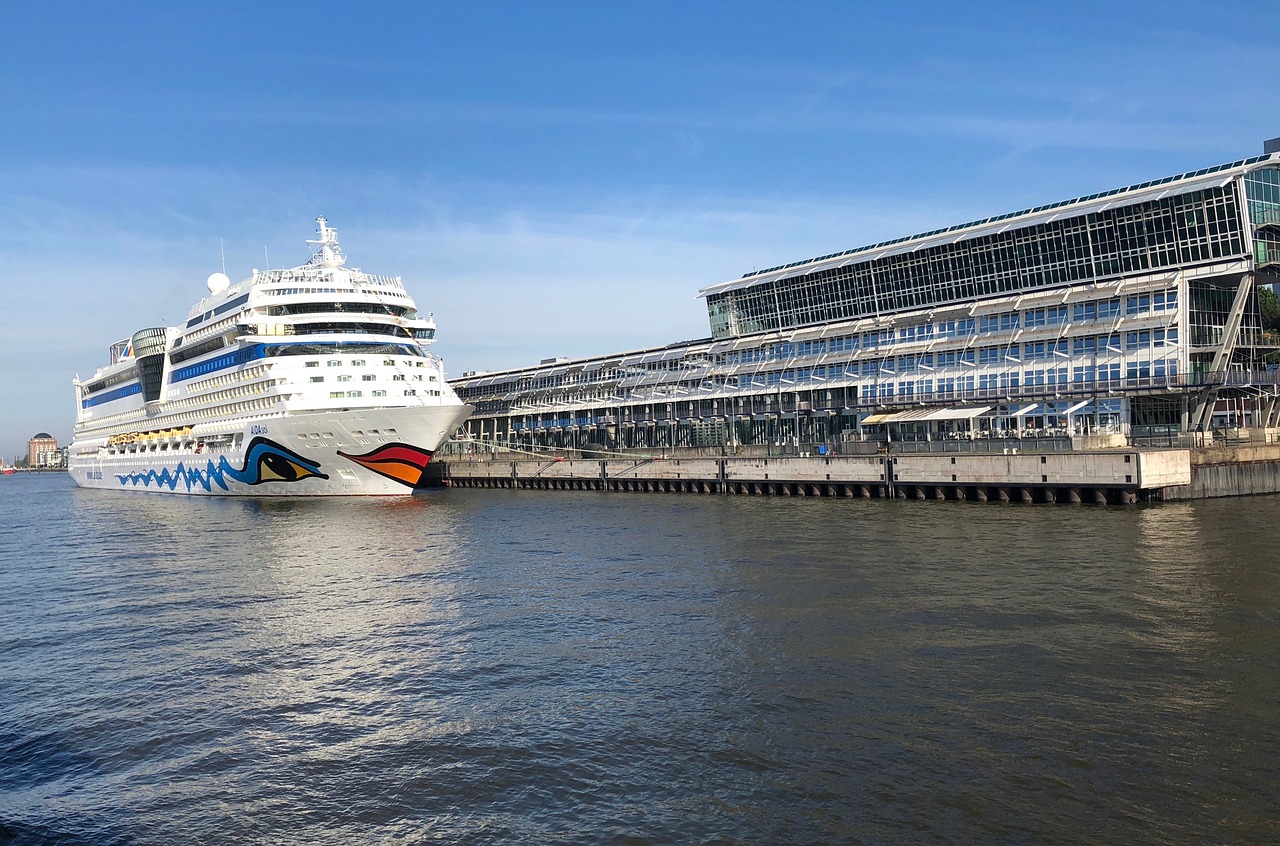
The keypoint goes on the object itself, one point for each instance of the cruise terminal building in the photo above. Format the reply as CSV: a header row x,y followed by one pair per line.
x,y
1131,313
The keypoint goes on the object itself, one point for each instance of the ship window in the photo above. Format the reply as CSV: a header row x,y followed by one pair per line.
x,y
368,377
317,378
389,362
313,364
379,393
345,377
399,377
410,393
335,362
353,393
335,395
359,362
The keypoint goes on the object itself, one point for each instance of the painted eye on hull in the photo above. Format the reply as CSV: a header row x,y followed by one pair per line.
x,y
404,463
273,467
268,461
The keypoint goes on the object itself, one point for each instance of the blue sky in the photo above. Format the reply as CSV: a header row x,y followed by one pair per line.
x,y
558,178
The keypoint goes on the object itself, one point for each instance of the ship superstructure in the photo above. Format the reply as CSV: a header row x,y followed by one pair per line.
x,y
312,380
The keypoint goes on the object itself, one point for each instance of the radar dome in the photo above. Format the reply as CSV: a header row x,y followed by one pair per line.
x,y
218,282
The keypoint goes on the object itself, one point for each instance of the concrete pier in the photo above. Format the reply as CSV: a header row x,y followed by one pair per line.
x,y
1230,471
1114,476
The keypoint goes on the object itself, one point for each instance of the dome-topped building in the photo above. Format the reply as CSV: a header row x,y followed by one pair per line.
x,y
42,451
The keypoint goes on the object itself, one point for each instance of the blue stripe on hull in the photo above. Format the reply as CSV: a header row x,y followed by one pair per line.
x,y
111,396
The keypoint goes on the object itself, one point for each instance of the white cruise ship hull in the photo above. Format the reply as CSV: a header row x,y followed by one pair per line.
x,y
361,452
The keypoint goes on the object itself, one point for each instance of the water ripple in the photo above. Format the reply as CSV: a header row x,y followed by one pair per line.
x,y
505,667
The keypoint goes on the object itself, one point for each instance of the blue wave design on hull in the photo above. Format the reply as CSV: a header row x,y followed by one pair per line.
x,y
191,476
265,461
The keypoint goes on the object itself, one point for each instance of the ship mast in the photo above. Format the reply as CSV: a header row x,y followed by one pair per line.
x,y
325,251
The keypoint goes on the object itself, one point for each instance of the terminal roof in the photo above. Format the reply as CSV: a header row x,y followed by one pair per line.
x,y
1182,183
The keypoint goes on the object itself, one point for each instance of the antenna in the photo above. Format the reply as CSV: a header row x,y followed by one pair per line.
x,y
325,251
222,249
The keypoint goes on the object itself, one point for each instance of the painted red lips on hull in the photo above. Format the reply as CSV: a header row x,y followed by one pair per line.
x,y
403,462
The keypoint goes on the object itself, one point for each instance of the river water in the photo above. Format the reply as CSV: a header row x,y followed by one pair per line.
x,y
476,666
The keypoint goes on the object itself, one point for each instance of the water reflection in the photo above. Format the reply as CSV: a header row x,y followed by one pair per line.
x,y
290,625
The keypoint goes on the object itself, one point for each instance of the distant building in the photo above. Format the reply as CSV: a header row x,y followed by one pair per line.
x,y
42,451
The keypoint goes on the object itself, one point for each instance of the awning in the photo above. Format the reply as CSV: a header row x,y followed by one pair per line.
x,y
921,415
963,413
915,415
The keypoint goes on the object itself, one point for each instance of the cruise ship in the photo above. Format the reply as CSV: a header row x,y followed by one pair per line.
x,y
310,381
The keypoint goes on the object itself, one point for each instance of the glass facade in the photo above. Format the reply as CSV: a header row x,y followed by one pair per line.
x,y
1262,188
1170,232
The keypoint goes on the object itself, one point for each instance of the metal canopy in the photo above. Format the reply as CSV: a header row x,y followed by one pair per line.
x,y
915,415
963,413
922,415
